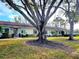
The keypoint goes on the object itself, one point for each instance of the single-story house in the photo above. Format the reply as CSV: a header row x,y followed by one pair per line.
x,y
15,29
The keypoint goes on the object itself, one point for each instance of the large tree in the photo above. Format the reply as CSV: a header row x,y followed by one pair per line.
x,y
70,13
72,16
37,12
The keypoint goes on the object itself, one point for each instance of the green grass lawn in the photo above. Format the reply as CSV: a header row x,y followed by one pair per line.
x,y
17,49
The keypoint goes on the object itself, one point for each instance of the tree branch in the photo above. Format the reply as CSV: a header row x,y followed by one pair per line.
x,y
55,9
30,8
60,8
44,9
47,18
36,10
30,11
50,7
40,4
10,2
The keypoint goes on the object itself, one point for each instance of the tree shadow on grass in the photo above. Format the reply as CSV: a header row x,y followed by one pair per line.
x,y
51,45
74,40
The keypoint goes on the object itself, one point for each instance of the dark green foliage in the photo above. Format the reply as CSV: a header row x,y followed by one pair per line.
x,y
0,29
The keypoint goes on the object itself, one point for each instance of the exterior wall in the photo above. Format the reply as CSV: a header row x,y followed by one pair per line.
x,y
25,31
30,31
11,31
49,31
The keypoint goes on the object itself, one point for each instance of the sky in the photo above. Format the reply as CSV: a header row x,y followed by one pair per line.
x,y
5,13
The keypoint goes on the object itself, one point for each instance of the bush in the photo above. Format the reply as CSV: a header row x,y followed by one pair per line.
x,y
26,35
5,35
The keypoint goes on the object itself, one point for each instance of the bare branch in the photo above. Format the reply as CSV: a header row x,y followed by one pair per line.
x,y
30,8
23,2
50,7
36,8
30,11
20,6
61,8
40,4
55,9
10,2
35,20
43,9
47,18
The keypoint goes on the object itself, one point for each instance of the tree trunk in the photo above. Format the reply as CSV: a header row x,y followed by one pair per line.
x,y
71,30
41,38
42,35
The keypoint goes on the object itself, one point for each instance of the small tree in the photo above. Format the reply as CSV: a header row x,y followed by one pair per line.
x,y
37,12
59,22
